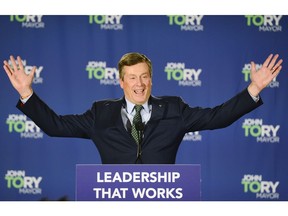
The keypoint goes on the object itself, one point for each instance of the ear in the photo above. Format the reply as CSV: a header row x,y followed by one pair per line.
x,y
121,82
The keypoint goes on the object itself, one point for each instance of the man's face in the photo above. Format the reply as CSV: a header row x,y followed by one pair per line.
x,y
136,83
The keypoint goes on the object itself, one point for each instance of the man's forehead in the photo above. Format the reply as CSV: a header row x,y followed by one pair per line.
x,y
136,69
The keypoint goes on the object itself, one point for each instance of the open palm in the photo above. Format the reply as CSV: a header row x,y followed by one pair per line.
x,y
21,81
261,78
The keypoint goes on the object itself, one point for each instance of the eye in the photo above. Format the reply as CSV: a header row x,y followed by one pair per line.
x,y
132,78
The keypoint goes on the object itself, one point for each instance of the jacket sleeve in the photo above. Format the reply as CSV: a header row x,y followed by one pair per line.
x,y
53,124
197,118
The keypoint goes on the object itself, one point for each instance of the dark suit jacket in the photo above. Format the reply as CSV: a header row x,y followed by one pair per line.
x,y
171,118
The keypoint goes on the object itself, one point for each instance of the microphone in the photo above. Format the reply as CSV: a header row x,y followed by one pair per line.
x,y
140,129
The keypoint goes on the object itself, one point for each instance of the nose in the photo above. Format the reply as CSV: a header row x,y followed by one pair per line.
x,y
139,81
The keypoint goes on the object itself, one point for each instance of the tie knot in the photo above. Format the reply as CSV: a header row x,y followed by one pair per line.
x,y
138,108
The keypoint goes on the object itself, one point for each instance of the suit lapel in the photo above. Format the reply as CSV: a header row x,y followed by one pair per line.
x,y
158,112
118,121
115,113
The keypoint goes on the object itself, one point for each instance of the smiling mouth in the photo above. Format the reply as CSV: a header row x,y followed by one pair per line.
x,y
139,91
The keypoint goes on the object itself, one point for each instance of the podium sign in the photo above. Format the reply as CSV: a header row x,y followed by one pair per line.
x,y
138,182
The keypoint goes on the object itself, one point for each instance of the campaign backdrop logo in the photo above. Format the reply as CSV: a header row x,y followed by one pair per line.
x,y
262,132
268,23
246,72
193,136
21,125
17,179
185,76
28,21
187,23
28,68
107,22
262,189
106,75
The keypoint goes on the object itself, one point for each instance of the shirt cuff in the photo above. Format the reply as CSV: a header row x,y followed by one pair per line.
x,y
26,99
255,98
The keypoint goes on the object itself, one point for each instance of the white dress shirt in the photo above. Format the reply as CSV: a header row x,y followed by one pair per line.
x,y
128,112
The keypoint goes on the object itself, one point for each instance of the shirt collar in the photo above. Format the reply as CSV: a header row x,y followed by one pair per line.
x,y
130,106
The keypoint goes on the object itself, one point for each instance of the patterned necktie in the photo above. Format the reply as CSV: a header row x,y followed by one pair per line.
x,y
137,118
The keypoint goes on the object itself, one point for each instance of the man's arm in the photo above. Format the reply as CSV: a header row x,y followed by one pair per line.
x,y
241,104
32,106
57,125
198,118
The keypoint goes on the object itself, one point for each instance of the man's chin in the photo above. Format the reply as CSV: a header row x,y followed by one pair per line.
x,y
140,101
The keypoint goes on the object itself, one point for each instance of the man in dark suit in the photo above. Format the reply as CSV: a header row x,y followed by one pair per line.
x,y
150,133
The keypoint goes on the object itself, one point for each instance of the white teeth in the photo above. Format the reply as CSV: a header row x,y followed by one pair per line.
x,y
138,91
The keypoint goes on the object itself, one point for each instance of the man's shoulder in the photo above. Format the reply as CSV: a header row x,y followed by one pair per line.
x,y
107,102
166,98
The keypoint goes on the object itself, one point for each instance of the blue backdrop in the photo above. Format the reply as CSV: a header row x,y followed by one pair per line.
x,y
203,59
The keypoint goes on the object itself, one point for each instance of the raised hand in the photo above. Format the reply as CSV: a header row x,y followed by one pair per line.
x,y
21,81
261,78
